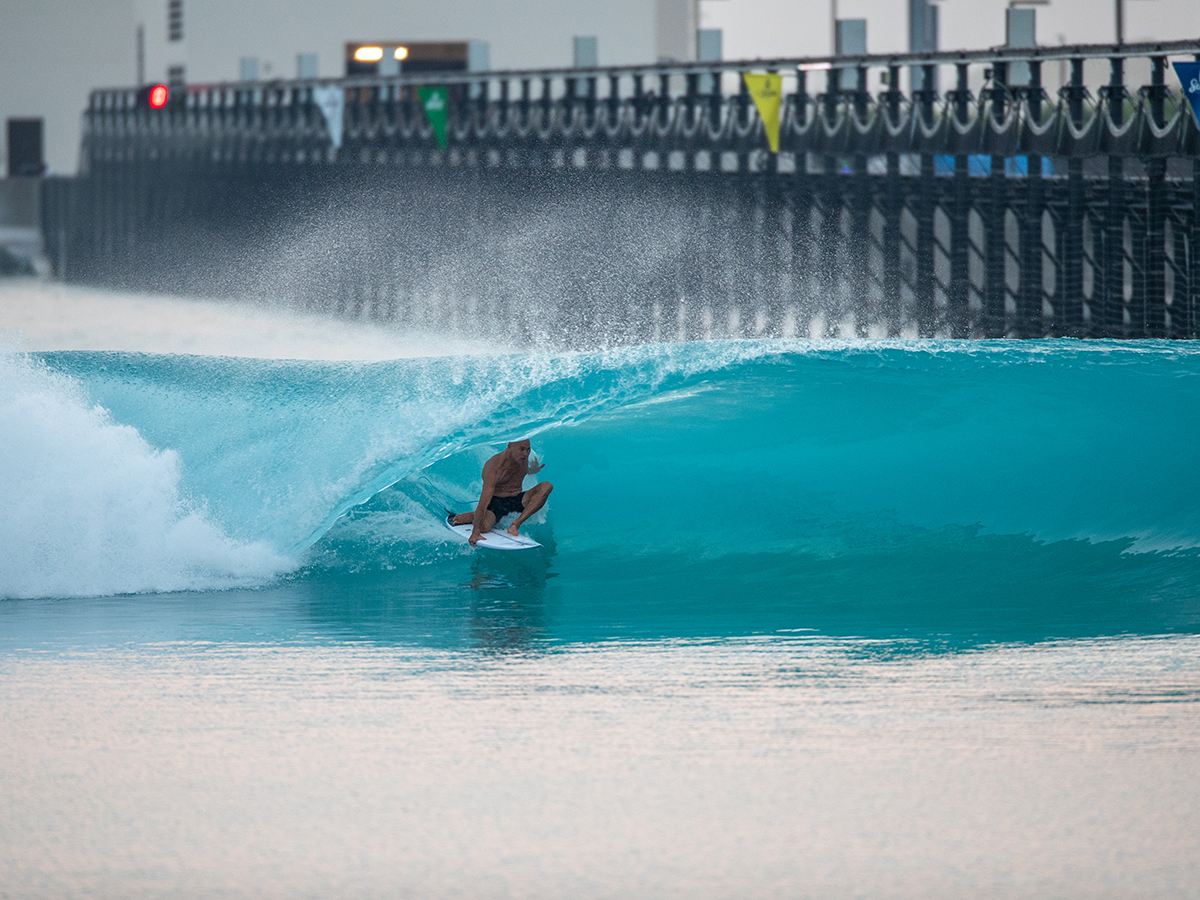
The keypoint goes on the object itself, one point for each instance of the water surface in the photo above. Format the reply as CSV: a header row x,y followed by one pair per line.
x,y
809,619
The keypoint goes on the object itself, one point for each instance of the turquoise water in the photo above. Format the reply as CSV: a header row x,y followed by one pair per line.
x,y
809,619
1037,489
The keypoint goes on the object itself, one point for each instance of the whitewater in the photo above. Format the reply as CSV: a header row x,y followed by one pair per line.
x,y
810,617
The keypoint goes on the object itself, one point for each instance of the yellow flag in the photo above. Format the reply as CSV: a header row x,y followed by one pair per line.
x,y
767,91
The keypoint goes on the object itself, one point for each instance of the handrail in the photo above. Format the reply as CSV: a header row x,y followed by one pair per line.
x,y
944,57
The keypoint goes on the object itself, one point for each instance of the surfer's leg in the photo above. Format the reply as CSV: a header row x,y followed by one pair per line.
x,y
533,500
468,518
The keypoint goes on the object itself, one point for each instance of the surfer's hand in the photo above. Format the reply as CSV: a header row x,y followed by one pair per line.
x,y
535,466
475,538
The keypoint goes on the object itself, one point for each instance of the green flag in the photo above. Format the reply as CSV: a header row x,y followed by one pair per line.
x,y
435,101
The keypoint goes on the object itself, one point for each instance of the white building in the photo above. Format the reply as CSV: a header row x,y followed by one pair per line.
x,y
53,52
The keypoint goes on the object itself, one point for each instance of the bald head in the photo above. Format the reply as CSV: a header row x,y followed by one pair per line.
x,y
518,451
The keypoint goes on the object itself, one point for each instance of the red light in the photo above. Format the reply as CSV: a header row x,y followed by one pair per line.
x,y
158,96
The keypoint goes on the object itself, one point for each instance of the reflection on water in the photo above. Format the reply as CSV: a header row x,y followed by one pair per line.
x,y
756,767
508,595
1016,591
533,724
489,601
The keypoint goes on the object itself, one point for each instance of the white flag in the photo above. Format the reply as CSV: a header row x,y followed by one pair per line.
x,y
331,101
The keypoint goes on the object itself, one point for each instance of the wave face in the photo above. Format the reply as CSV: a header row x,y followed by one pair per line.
x,y
847,474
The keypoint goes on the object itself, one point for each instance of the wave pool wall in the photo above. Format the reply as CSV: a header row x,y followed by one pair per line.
x,y
656,212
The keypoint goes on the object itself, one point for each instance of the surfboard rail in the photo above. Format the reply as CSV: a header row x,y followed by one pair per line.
x,y
496,539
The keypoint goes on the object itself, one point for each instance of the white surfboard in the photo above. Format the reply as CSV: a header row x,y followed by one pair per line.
x,y
496,539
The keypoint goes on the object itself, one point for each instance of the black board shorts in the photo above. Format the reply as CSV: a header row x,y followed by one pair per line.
x,y
502,506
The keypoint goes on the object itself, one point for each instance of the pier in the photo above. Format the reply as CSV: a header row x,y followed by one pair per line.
x,y
643,203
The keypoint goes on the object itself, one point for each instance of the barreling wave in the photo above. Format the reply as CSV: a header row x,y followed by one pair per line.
x,y
741,461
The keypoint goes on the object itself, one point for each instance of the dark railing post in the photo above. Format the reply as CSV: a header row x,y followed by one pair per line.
x,y
505,109
1114,225
639,97
832,95
860,216
1193,288
1156,213
570,85
960,219
546,102
774,211
995,251
831,216
1029,298
715,100
484,97
526,100
590,101
862,96
925,287
614,99
743,103
1071,301
802,205
893,206
1192,291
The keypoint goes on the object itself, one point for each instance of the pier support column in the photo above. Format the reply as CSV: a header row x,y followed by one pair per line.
x,y
926,311
801,209
829,278
860,214
1114,225
1029,297
1069,310
1193,285
994,316
893,205
1156,214
960,219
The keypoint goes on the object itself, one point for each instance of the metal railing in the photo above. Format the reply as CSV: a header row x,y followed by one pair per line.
x,y
999,211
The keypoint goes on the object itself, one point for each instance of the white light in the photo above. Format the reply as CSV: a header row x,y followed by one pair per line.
x,y
368,54
815,67
401,53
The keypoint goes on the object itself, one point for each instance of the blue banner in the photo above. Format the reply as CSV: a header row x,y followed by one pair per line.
x,y
1189,77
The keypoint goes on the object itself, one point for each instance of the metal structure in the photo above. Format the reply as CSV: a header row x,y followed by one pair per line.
x,y
628,203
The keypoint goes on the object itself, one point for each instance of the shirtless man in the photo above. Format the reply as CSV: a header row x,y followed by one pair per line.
x,y
501,494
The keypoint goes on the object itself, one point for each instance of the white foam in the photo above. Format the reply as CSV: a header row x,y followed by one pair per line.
x,y
87,507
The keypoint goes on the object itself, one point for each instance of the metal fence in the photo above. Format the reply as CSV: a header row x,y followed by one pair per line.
x,y
642,203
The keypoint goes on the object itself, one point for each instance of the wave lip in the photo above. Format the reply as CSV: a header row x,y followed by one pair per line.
x,y
88,507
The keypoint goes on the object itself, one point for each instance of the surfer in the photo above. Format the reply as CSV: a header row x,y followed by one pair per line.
x,y
502,494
